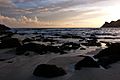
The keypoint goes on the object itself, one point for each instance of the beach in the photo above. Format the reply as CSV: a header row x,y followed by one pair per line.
x,y
62,52
22,67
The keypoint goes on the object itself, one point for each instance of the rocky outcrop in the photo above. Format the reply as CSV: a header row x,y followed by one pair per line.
x,y
4,27
48,71
109,55
112,24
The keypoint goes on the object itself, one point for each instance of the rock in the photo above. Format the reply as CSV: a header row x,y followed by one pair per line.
x,y
55,49
63,52
91,44
22,34
109,55
82,48
66,36
2,59
10,61
113,49
106,61
86,62
48,40
27,54
48,71
69,46
92,41
71,36
10,42
81,40
30,47
27,40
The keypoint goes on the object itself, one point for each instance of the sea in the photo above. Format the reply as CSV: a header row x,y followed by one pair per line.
x,y
102,34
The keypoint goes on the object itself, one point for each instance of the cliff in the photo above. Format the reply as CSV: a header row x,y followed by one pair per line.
x,y
112,24
3,27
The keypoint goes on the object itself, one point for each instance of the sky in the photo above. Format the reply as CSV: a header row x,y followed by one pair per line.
x,y
58,13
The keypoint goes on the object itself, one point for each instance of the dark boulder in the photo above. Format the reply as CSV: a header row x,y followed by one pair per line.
x,y
91,44
10,42
107,60
48,71
86,62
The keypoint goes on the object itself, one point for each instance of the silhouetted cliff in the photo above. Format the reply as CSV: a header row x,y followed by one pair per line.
x,y
4,27
112,24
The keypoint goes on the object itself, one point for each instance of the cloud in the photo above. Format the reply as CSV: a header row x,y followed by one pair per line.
x,y
6,3
25,22
21,1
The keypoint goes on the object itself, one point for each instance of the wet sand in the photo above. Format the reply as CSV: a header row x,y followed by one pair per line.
x,y
22,67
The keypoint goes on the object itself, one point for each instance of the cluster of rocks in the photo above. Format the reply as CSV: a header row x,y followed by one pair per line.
x,y
104,58
43,49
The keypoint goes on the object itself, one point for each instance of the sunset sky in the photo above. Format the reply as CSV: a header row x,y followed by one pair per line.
x,y
58,13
